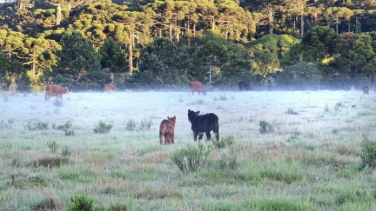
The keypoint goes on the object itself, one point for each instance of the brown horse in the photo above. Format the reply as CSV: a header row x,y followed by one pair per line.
x,y
167,131
195,86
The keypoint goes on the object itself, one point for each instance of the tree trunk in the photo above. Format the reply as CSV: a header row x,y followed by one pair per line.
x,y
130,54
177,34
58,15
301,24
171,30
188,35
213,23
337,26
270,17
33,65
194,29
349,26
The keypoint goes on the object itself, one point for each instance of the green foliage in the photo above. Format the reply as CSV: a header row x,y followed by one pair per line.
x,y
225,142
145,125
52,161
112,56
265,127
79,63
36,125
65,151
291,112
279,204
368,152
162,64
102,127
52,145
118,207
81,202
131,125
67,128
191,158
300,76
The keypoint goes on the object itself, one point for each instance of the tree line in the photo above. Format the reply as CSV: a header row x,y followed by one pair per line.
x,y
300,44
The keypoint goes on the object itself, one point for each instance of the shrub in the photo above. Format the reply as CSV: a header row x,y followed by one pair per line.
x,y
337,106
65,151
102,127
52,145
131,125
4,125
52,161
118,207
81,202
191,158
36,125
368,152
265,127
68,131
228,162
225,142
145,124
223,97
291,112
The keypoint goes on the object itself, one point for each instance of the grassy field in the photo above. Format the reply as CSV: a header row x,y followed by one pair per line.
x,y
287,151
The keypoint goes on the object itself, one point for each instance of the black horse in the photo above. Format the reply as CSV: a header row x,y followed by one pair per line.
x,y
203,124
244,86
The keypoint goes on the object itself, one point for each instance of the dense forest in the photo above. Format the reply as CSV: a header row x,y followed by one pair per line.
x,y
274,44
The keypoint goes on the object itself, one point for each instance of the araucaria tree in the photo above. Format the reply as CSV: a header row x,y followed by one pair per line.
x,y
79,64
112,57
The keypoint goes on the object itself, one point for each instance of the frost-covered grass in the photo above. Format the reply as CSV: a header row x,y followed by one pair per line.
x,y
311,160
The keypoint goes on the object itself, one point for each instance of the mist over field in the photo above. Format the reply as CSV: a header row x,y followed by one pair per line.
x,y
308,159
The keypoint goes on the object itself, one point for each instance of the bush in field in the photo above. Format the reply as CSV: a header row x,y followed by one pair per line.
x,y
65,151
192,157
102,127
67,128
131,125
368,153
118,207
52,145
4,125
291,112
228,162
223,97
52,161
145,125
81,202
265,127
225,142
36,125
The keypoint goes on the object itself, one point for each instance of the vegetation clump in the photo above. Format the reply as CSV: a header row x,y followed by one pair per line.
x,y
265,127
67,128
102,127
52,161
225,142
36,125
191,158
368,153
